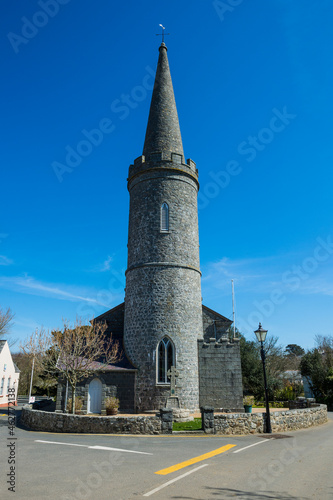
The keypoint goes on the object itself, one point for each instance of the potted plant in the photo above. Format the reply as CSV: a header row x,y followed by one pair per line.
x,y
248,402
111,405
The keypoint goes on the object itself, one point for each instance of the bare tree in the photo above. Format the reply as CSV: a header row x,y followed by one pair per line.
x,y
276,361
324,343
6,318
72,353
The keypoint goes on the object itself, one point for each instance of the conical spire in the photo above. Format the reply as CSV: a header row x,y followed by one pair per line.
x,y
163,132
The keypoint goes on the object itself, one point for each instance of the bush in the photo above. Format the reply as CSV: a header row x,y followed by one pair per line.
x,y
272,404
78,405
111,403
289,392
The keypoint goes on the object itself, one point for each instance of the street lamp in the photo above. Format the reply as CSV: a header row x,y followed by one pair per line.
x,y
261,335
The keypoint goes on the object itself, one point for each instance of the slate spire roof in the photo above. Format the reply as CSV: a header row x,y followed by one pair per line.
x,y
163,132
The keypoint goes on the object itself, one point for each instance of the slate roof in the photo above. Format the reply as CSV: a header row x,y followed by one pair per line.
x,y
218,315
163,131
2,343
119,366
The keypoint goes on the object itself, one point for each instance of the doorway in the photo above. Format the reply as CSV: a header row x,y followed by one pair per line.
x,y
95,396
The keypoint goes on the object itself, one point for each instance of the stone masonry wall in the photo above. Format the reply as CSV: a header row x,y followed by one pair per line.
x,y
166,302
120,384
253,423
146,243
228,424
220,375
61,422
163,281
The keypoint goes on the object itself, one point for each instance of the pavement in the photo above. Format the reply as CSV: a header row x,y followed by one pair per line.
x,y
57,466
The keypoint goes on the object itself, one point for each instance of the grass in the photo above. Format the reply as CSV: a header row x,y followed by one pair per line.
x,y
194,425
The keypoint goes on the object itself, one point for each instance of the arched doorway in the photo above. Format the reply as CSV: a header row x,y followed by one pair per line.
x,y
95,396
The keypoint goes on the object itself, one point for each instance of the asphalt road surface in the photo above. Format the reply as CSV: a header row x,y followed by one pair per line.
x,y
293,465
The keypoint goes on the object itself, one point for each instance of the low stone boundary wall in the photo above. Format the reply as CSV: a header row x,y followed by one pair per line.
x,y
161,423
252,423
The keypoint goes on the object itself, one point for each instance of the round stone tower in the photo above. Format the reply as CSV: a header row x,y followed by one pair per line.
x,y
163,310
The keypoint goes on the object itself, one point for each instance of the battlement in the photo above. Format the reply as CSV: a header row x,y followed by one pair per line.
x,y
222,342
162,159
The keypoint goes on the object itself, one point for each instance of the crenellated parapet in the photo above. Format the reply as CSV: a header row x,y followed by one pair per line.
x,y
166,161
222,342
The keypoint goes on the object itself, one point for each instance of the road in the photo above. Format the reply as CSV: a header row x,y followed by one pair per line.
x,y
296,465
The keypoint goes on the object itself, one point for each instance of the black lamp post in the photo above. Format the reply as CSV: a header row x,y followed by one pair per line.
x,y
261,335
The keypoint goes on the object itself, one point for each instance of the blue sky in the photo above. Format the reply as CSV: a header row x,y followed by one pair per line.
x,y
253,84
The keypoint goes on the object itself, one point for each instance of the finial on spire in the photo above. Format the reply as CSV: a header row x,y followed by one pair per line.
x,y
162,34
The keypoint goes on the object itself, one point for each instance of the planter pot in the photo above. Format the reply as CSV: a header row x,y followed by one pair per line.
x,y
112,411
248,408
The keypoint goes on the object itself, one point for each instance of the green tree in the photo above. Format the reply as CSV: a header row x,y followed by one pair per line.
x,y
42,382
252,374
294,350
23,362
252,369
47,376
317,366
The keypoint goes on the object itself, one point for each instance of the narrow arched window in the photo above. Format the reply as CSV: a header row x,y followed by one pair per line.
x,y
164,217
165,359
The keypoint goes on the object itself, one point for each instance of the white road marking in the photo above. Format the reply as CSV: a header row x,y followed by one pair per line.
x,y
255,444
58,442
94,447
118,449
173,480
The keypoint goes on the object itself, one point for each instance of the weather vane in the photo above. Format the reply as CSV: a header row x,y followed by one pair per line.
x,y
162,34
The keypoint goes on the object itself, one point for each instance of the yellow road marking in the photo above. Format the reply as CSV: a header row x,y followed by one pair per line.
x,y
181,465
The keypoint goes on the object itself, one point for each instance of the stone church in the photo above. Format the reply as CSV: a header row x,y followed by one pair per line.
x,y
162,322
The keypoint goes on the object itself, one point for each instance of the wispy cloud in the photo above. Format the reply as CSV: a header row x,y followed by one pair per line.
x,y
32,286
288,272
99,267
4,261
321,285
106,264
26,323
244,272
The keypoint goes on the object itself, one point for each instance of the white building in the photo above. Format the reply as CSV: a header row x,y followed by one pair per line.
x,y
9,376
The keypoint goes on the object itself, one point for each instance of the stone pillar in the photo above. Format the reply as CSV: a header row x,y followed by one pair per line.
x,y
207,416
166,415
60,403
